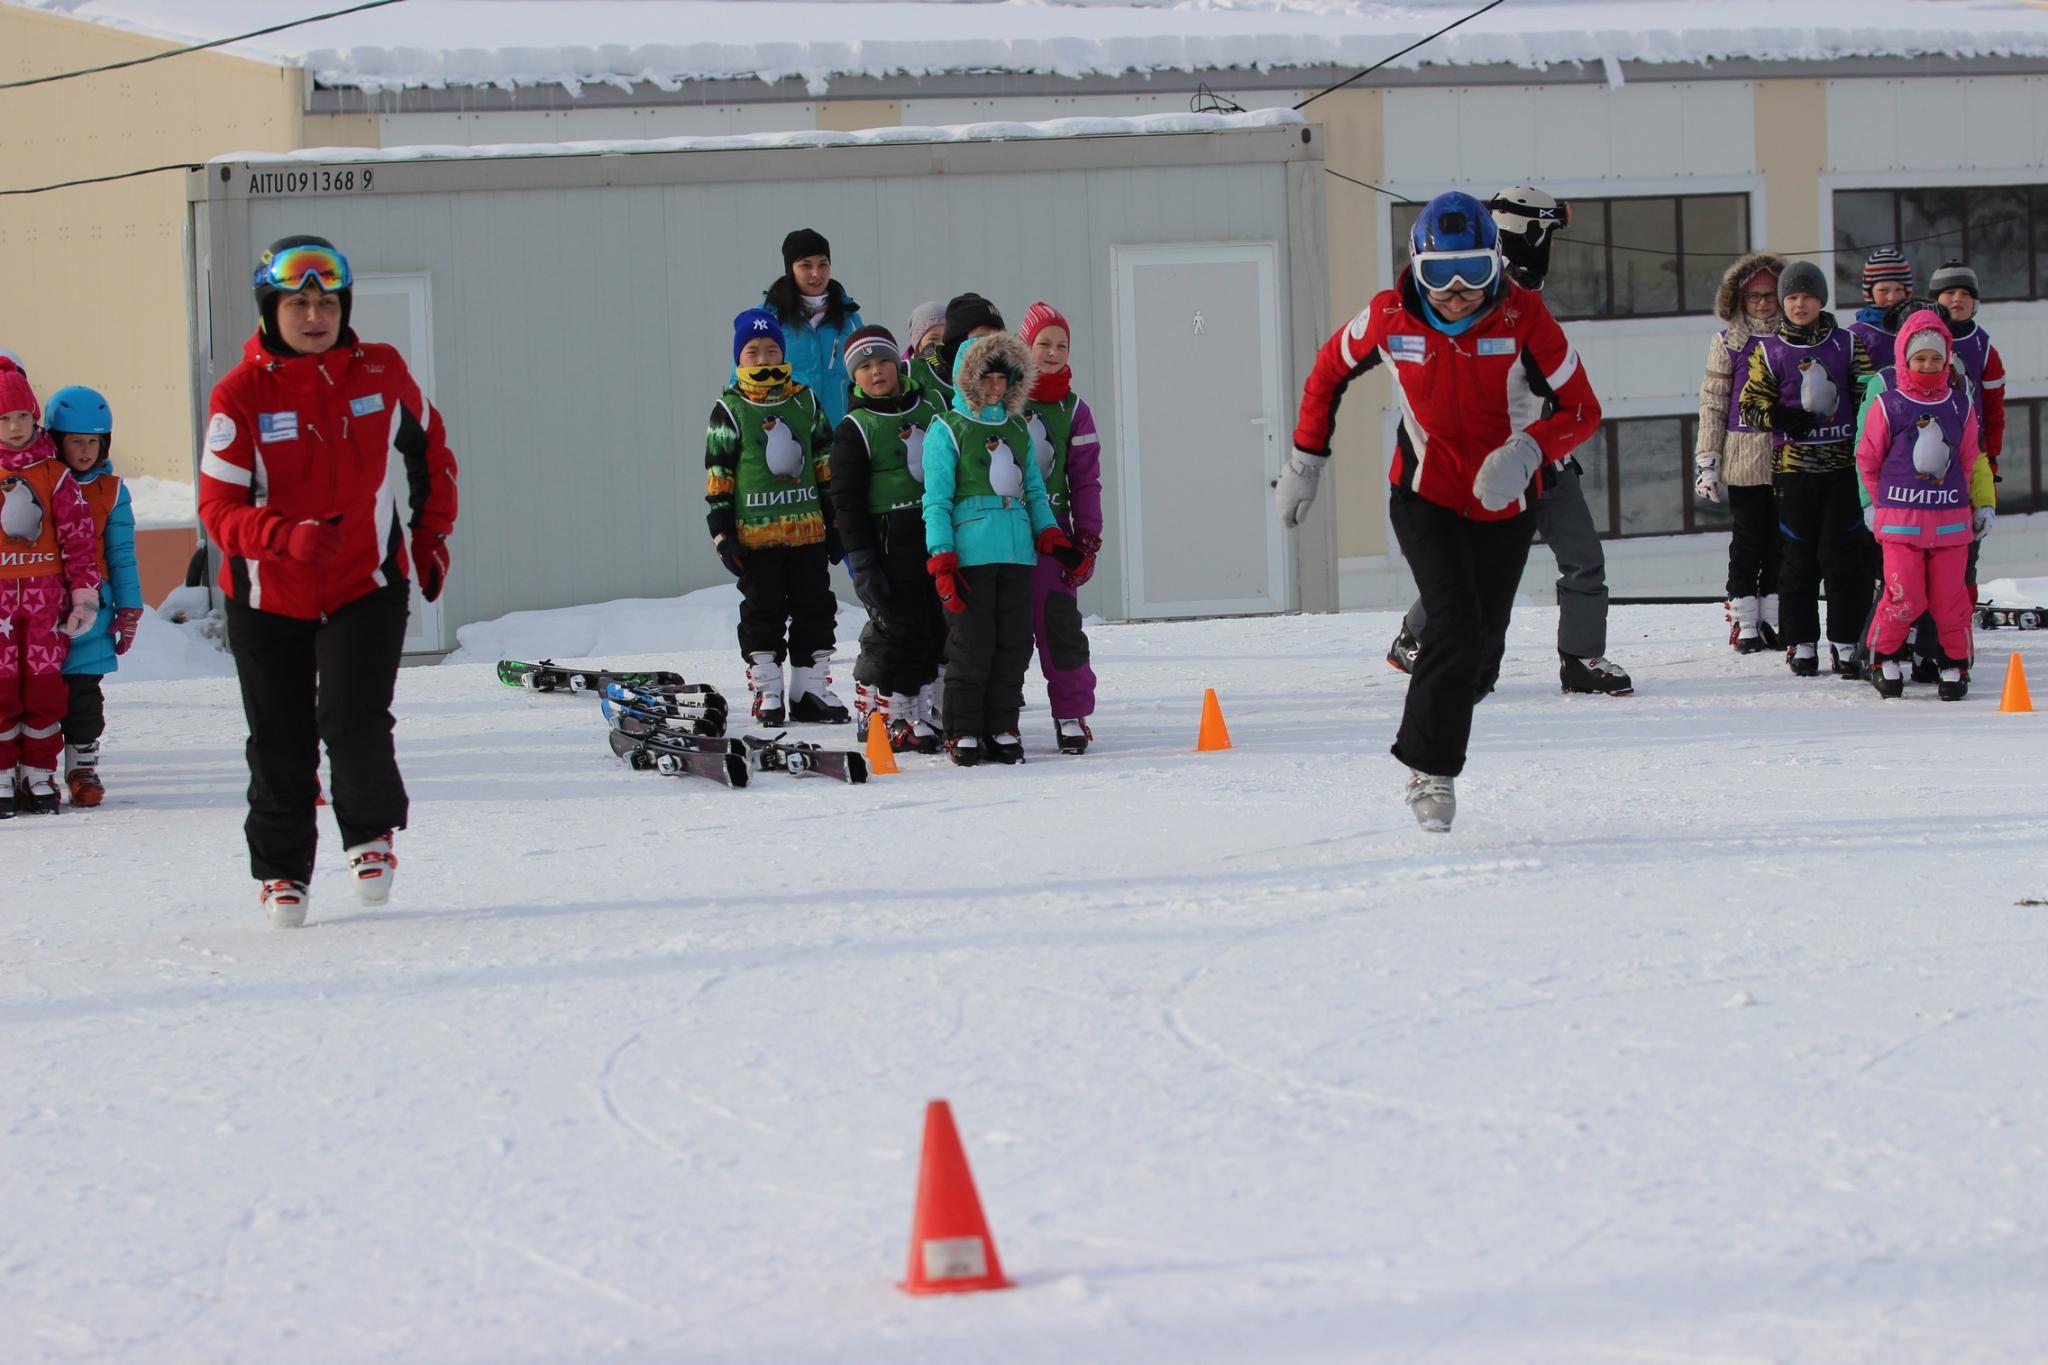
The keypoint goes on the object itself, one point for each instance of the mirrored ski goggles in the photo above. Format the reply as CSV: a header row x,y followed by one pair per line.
x,y
295,267
1444,270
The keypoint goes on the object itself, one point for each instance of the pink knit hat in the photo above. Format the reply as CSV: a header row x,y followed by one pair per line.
x,y
15,393
1040,316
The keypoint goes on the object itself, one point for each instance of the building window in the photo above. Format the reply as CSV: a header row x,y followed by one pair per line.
x,y
2001,230
1661,256
2020,486
1637,476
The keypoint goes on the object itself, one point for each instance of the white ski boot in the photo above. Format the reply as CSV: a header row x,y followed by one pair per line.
x,y
927,735
1745,616
1767,620
285,903
764,680
1433,799
810,693
864,699
373,866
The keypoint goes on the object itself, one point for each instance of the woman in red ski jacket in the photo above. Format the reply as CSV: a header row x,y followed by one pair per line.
x,y
322,459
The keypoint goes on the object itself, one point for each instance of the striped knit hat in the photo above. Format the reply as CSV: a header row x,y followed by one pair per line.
x,y
1885,265
1952,275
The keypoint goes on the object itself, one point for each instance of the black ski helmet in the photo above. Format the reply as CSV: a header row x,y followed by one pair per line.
x,y
268,293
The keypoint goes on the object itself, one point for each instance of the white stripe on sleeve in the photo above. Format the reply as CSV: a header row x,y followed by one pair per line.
x,y
214,467
1568,367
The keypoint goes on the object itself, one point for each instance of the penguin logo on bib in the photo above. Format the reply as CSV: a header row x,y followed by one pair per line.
x,y
913,449
1041,446
785,454
1817,392
1005,475
21,515
1930,451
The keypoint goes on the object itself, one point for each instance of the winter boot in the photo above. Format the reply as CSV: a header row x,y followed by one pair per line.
x,y
764,680
1767,620
1954,684
1889,678
810,693
1434,800
1847,660
1401,654
1803,660
1074,736
1007,747
964,750
82,773
285,903
1744,633
1926,669
39,792
374,867
1595,676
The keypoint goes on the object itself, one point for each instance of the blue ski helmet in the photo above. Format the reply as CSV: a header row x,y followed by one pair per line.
x,y
1453,221
79,411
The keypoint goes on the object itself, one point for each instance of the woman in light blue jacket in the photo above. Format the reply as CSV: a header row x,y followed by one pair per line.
x,y
986,522
817,317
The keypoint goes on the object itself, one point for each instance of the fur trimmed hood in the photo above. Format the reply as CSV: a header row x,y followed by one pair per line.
x,y
977,356
1727,306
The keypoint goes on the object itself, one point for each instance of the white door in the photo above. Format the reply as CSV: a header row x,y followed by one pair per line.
x,y
396,310
1199,425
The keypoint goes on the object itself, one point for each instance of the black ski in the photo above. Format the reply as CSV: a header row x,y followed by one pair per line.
x,y
641,727
778,755
1990,617
704,704
549,676
662,754
689,722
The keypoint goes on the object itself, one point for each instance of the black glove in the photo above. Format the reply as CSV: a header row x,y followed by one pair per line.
x,y
1794,422
729,552
835,550
869,582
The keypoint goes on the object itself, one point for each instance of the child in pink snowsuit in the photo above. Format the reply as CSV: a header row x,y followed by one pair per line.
x,y
49,591
1070,461
1928,489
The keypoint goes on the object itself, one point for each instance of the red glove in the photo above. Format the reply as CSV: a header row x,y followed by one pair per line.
x,y
307,542
945,572
1055,542
429,562
126,620
1089,543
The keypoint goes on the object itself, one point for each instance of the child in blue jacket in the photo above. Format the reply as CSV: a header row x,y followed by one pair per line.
x,y
986,522
82,425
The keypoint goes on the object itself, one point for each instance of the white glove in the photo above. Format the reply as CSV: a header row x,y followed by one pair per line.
x,y
1870,518
85,605
1984,518
1707,480
1295,489
1506,473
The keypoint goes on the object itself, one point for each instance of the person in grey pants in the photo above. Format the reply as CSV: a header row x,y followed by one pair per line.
x,y
1527,219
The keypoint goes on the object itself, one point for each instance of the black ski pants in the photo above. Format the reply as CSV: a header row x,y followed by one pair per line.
x,y
1821,518
787,585
85,719
901,647
309,683
1467,572
1753,539
988,647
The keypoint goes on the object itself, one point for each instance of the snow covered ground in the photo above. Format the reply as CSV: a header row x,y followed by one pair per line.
x,y
1714,1032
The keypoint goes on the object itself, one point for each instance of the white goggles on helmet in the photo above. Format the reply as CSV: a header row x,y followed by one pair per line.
x,y
1439,271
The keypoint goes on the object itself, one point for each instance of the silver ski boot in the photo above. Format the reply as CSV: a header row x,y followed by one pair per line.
x,y
1433,799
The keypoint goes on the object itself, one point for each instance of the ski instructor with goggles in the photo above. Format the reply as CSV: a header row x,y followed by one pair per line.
x,y
1473,357
300,491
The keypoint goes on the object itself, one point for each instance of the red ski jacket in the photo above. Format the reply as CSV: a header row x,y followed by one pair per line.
x,y
346,434
1461,396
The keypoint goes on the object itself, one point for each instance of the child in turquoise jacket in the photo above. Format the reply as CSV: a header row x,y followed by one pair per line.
x,y
987,521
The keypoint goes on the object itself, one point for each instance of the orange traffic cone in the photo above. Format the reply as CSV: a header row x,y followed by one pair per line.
x,y
2015,698
881,755
951,1251
1215,734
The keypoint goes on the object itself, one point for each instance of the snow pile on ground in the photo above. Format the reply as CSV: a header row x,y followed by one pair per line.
x,y
183,638
161,504
1713,1032
441,43
2014,592
706,620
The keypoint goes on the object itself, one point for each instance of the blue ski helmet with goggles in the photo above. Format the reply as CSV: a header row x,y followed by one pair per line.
x,y
287,266
1455,245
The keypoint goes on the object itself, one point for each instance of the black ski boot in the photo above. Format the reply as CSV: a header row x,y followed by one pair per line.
x,y
37,792
1074,736
7,798
1401,654
1803,665
1888,677
1596,676
1847,661
1004,748
1954,684
964,750
1926,669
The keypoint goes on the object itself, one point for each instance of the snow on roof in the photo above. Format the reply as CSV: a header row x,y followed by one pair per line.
x,y
572,43
965,132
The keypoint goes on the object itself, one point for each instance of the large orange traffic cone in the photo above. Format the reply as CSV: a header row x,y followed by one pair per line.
x,y
951,1251
1215,734
881,755
2015,698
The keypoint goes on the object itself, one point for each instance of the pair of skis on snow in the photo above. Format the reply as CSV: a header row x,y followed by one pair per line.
x,y
1990,616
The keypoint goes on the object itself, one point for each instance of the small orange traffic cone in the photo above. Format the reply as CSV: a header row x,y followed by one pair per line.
x,y
881,755
1215,734
951,1251
2015,698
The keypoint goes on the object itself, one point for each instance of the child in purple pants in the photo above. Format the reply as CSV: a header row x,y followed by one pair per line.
x,y
1070,461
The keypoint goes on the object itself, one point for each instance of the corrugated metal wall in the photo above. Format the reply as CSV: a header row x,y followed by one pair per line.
x,y
582,335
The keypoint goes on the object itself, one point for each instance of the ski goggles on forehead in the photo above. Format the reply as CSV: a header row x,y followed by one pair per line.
x,y
294,267
1444,270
